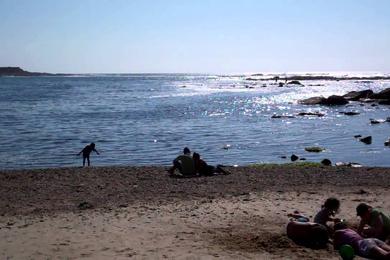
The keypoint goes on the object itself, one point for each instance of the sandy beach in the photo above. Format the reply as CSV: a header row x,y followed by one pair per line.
x,y
139,212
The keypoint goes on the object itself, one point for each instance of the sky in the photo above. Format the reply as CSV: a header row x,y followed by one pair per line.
x,y
195,36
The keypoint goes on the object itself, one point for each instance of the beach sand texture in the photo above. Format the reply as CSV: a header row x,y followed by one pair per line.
x,y
140,212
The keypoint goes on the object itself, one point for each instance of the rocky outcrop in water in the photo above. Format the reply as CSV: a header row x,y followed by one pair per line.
x,y
384,94
330,101
356,95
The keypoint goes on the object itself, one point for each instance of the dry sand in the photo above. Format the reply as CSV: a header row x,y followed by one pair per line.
x,y
141,213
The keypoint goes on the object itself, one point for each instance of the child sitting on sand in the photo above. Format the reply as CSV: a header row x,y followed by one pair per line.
x,y
370,247
328,212
374,223
87,151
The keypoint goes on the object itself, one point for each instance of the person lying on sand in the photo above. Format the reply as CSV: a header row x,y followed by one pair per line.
x,y
308,234
366,247
374,223
184,163
203,169
87,151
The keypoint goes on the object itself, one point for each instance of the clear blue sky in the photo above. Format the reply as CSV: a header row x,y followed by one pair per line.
x,y
220,36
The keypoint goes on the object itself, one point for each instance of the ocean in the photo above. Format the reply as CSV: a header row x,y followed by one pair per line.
x,y
147,119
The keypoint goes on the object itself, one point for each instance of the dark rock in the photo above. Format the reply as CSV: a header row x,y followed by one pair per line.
x,y
330,101
357,136
302,159
282,116
384,94
356,95
335,101
384,102
374,105
280,84
295,82
294,158
366,140
314,149
387,143
350,113
326,162
313,101
85,205
283,157
311,114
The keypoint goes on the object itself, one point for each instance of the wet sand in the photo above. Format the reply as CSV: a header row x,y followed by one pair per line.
x,y
139,212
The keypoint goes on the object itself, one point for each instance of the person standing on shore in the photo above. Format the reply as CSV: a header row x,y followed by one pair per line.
x,y
87,151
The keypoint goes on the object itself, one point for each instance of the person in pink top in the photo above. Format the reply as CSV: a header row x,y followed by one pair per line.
x,y
366,247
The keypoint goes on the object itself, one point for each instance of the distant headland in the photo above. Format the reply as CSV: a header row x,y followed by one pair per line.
x,y
17,71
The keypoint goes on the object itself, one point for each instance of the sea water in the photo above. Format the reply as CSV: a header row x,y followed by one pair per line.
x,y
147,119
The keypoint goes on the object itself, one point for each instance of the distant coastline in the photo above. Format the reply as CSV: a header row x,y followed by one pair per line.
x,y
17,71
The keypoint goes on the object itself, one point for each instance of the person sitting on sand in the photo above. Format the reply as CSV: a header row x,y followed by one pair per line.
x,y
87,151
373,223
308,234
203,169
184,163
328,212
366,247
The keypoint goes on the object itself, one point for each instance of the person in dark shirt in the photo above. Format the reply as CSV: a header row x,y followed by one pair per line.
x,y
87,151
203,169
184,163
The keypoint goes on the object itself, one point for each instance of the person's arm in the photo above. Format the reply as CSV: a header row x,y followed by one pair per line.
x,y
96,151
81,151
361,227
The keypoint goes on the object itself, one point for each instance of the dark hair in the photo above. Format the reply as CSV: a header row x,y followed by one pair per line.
x,y
92,144
362,208
319,236
186,150
332,203
196,156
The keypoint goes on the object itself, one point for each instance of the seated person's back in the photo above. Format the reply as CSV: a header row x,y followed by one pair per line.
x,y
187,164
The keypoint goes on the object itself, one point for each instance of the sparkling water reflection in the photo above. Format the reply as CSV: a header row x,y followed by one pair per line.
x,y
148,119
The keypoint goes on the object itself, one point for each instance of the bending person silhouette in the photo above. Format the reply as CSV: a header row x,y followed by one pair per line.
x,y
87,151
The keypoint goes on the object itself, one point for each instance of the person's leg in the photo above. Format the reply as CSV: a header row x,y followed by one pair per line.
x,y
219,169
88,161
84,161
379,253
